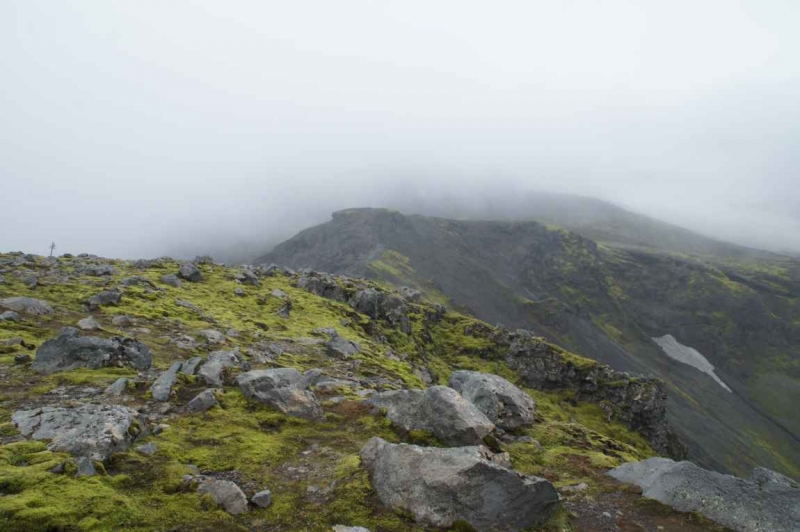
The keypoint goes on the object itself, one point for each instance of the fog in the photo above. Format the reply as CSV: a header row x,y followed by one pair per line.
x,y
137,129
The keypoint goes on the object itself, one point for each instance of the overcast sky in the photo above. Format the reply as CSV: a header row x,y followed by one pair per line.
x,y
142,128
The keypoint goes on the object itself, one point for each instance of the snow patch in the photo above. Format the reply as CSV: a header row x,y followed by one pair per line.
x,y
687,355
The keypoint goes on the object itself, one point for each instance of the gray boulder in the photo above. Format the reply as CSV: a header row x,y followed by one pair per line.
x,y
284,389
88,324
205,400
248,276
171,280
85,467
68,351
190,272
26,305
225,494
767,503
439,410
189,367
215,364
96,270
162,387
121,320
213,337
89,430
443,486
104,298
504,404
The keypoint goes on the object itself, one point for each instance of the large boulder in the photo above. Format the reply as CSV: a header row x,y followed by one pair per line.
x,y
323,285
504,404
443,486
341,348
438,410
68,351
26,305
89,430
215,364
284,389
769,502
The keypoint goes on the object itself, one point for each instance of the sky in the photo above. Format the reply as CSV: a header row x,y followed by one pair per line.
x,y
147,128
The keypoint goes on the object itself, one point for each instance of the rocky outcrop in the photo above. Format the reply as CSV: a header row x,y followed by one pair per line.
x,y
322,284
504,404
382,305
768,502
443,486
438,410
89,430
27,305
640,403
284,389
69,351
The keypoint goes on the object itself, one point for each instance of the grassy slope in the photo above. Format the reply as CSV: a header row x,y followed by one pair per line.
x,y
250,443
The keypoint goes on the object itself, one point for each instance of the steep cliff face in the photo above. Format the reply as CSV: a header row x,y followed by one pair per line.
x,y
608,303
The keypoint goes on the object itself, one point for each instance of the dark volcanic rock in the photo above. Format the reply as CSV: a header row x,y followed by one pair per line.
x,y
768,503
443,486
69,351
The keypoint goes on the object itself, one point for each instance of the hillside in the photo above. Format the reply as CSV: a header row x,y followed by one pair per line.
x,y
132,419
739,315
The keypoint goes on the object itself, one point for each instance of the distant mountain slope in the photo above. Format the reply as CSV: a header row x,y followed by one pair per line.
x,y
739,312
590,217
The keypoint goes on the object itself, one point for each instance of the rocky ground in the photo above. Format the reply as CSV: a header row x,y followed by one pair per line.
x,y
157,395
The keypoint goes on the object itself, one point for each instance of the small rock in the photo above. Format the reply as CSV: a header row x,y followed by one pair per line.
x,y
341,348
262,499
342,528
26,305
117,388
215,364
22,359
148,448
58,469
9,315
212,336
225,494
162,387
583,486
190,272
203,401
190,366
239,291
85,467
89,324
171,280
106,297
280,294
121,320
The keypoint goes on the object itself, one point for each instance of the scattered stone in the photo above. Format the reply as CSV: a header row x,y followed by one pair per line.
x,y
148,448
262,499
216,363
225,494
22,359
69,351
443,486
280,294
104,298
248,276
438,410
189,367
121,320
89,324
117,388
190,272
504,404
186,342
202,402
766,502
284,389
583,486
9,315
341,348
172,280
212,337
342,528
96,270
90,430
58,469
162,387
239,291
85,467
26,305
